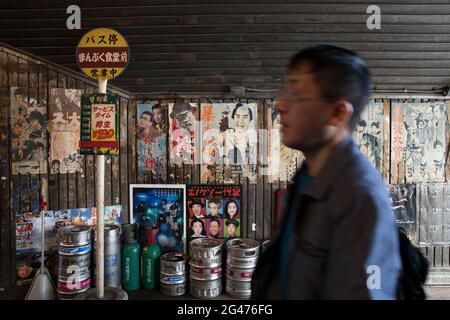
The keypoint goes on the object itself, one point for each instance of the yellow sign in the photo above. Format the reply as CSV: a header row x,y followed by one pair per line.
x,y
103,54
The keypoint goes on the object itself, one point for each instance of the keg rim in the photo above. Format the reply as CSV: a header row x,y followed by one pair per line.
x,y
200,243
231,242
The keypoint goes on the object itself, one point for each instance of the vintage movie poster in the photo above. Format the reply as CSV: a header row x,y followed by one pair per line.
x,y
65,106
184,127
403,197
88,216
160,212
229,142
99,124
368,134
214,211
418,142
152,129
28,133
283,162
433,219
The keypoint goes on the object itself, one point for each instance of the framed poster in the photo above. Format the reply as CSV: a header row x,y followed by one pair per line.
x,y
369,134
418,142
28,133
215,211
403,197
64,114
99,124
229,142
152,132
283,161
159,210
184,133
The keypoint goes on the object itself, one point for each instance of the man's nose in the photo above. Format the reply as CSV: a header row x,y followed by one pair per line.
x,y
281,106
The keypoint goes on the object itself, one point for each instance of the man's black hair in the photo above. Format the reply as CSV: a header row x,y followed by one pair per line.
x,y
20,92
156,106
340,74
376,124
147,113
212,220
239,105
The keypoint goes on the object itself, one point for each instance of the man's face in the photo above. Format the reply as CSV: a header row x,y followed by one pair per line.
x,y
214,228
21,99
197,209
197,228
185,120
374,130
157,114
145,121
213,208
231,230
304,115
242,118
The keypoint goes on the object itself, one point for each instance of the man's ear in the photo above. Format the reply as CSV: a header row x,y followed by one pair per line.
x,y
341,113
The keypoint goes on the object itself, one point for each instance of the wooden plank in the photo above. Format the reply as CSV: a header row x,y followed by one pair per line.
x,y
195,178
43,98
72,190
132,171
62,178
7,248
53,182
90,169
268,204
81,175
108,190
171,168
123,159
446,256
430,255
115,184
438,256
259,196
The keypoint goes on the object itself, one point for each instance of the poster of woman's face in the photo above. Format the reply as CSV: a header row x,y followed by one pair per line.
x,y
232,209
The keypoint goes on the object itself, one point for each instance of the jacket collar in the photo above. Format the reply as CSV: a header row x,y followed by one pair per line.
x,y
336,162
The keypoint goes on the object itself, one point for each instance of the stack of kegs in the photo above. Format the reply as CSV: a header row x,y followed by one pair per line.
x,y
173,274
205,267
112,254
74,260
242,256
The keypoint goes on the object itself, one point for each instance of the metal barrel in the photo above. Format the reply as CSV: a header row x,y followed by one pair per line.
x,y
69,296
242,262
112,255
265,245
74,250
205,289
172,279
173,290
72,270
243,248
75,235
202,273
81,260
73,285
206,252
173,264
239,274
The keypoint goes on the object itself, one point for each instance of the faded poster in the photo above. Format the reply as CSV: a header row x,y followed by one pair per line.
x,y
419,142
403,197
433,219
152,140
29,136
283,162
229,142
184,132
65,131
369,134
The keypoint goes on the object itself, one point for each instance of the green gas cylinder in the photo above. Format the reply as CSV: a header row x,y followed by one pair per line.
x,y
130,260
150,265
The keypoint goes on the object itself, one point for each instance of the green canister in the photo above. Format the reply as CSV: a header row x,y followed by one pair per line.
x,y
150,265
130,259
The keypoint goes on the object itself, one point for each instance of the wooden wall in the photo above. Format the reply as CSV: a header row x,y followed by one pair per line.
x,y
20,193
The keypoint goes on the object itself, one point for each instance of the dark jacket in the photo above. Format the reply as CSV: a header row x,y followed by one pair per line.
x,y
345,239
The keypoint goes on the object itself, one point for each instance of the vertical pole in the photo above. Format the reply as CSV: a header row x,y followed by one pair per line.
x,y
99,204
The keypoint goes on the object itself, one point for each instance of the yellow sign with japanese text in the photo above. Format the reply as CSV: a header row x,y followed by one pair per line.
x,y
103,54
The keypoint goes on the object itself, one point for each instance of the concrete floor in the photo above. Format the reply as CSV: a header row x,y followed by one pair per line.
x,y
438,293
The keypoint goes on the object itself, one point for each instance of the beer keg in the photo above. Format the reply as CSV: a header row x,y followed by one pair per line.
x,y
173,274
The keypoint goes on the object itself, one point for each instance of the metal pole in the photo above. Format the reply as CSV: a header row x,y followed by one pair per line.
x,y
99,204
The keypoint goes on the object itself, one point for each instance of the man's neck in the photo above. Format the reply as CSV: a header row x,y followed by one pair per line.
x,y
315,159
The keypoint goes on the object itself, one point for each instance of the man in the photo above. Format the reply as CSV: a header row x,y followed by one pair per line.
x,y
232,225
160,123
196,206
213,208
338,238
214,228
183,113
